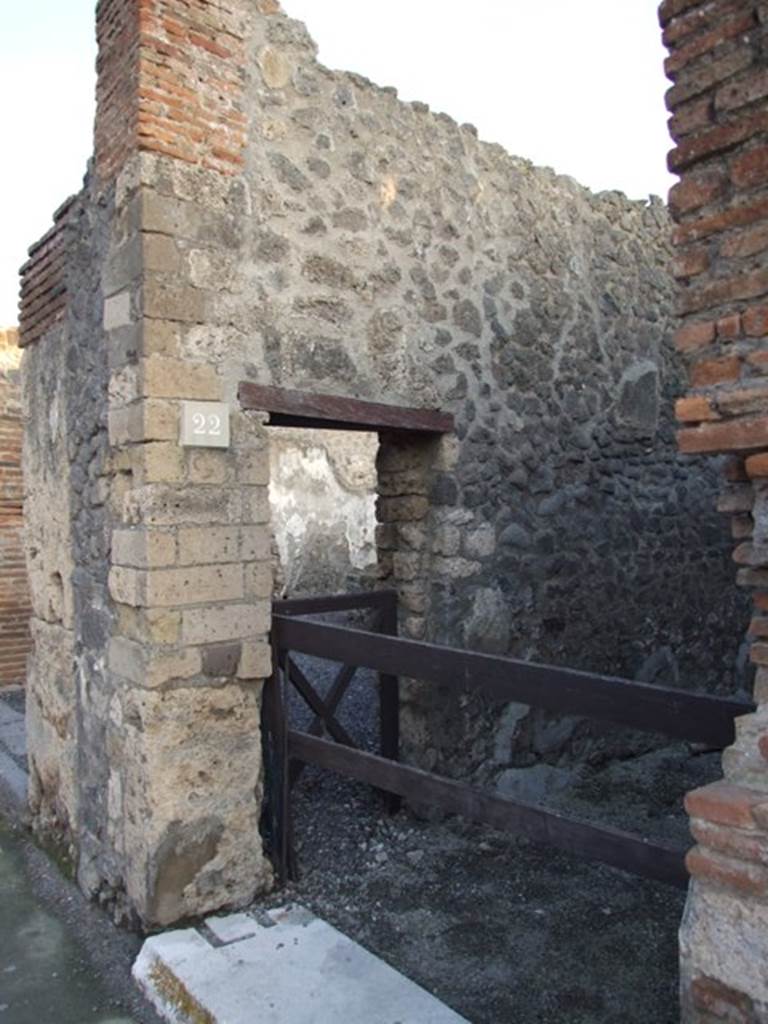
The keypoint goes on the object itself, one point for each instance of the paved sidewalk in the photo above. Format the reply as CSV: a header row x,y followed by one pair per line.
x,y
61,959
13,744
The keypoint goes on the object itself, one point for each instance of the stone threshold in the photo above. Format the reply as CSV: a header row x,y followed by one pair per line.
x,y
282,966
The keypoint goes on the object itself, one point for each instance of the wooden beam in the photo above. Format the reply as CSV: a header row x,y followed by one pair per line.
x,y
689,716
334,412
596,842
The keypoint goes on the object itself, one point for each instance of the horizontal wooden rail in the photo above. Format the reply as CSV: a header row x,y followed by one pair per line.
x,y
596,842
335,603
690,716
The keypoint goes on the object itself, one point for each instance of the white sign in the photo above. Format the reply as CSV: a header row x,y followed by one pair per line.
x,y
204,425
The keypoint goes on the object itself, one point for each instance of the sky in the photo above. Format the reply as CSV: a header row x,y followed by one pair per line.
x,y
576,85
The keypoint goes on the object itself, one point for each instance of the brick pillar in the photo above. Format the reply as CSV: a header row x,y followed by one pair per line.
x,y
719,106
15,609
157,791
191,574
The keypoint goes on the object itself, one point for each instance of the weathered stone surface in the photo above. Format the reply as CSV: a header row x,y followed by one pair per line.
x,y
193,748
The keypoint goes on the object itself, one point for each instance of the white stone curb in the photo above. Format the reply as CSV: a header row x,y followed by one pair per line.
x,y
287,967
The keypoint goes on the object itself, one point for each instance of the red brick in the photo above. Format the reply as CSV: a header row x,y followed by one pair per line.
x,y
699,20
721,1002
741,526
757,465
732,842
746,89
696,191
755,321
742,402
728,436
708,74
746,243
727,872
725,290
743,215
750,168
724,804
690,116
690,263
761,601
695,409
729,327
717,140
694,335
704,44
670,9
716,371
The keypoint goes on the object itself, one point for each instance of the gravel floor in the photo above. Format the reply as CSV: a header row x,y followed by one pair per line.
x,y
499,928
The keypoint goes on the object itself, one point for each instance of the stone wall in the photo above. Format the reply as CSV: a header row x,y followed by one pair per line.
x,y
14,591
322,493
720,127
252,216
392,253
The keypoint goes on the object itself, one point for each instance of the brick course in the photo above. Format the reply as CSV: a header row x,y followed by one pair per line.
x,y
15,608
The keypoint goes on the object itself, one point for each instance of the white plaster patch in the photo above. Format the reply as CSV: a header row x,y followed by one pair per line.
x,y
299,971
117,311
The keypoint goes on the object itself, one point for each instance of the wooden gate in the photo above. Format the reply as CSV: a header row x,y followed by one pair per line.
x,y
695,717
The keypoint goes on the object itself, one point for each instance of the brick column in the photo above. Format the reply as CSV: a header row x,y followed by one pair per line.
x,y
719,105
15,608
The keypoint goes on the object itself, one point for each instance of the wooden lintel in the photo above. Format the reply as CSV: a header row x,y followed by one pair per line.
x,y
333,412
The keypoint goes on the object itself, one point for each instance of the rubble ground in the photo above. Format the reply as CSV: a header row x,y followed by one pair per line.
x,y
499,928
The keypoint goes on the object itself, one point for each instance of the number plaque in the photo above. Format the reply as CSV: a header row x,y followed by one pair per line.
x,y
204,425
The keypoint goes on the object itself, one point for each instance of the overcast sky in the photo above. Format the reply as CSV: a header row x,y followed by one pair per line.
x,y
573,84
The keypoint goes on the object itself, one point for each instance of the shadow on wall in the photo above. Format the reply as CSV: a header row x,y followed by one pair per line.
x,y
323,498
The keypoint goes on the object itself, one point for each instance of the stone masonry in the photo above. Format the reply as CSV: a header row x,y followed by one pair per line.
x,y
252,216
14,591
720,127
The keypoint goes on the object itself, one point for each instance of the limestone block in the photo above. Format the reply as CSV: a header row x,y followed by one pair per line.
x,y
192,800
148,668
143,549
160,337
255,505
209,467
160,253
207,545
258,579
256,660
256,543
193,585
226,622
253,466
160,505
161,462
144,421
164,377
